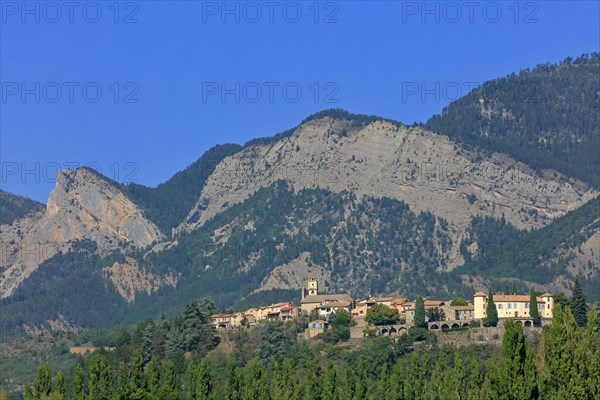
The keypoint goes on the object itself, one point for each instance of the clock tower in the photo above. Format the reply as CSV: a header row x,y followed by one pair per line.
x,y
312,286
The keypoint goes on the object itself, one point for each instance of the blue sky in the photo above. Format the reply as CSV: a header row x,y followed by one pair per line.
x,y
141,90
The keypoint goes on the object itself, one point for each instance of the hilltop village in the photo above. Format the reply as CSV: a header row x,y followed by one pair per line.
x,y
440,315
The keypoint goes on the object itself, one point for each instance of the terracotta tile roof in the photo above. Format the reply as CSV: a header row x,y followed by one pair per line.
x,y
432,302
462,308
279,305
224,315
547,295
336,304
479,294
320,298
288,308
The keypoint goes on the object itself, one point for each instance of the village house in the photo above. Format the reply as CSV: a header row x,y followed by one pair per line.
x,y
329,307
315,328
288,312
513,305
362,306
409,308
313,300
273,311
226,321
463,313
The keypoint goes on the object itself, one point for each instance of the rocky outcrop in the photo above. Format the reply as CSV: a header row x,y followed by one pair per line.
x,y
129,279
83,205
427,171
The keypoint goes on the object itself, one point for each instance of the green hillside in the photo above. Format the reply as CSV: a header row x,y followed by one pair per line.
x,y
13,207
547,117
169,203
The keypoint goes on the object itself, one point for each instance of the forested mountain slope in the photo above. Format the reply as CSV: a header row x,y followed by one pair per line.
x,y
547,117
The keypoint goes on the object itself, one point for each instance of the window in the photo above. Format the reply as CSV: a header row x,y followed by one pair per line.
x,y
515,305
509,305
526,305
412,313
500,306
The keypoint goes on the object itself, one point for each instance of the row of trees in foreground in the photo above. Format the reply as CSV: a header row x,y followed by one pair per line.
x,y
562,363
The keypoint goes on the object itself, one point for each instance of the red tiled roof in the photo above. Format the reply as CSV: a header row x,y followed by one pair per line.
x,y
479,294
288,308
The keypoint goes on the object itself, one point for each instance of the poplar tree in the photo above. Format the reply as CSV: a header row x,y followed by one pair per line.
x,y
204,387
43,381
59,384
491,318
100,378
78,383
578,305
232,381
533,308
330,389
169,389
419,313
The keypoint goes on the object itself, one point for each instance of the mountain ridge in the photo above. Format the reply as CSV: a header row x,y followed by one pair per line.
x,y
342,173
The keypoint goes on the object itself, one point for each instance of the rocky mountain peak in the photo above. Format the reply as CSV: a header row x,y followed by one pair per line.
x,y
83,205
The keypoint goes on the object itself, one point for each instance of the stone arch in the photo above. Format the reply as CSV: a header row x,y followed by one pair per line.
x,y
393,331
465,325
528,323
520,322
401,330
384,332
434,326
445,327
455,326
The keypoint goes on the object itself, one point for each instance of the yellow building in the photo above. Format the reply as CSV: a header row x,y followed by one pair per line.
x,y
513,305
226,321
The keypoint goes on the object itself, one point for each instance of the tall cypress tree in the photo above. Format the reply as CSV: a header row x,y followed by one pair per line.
x,y
420,313
59,384
578,305
43,381
233,389
78,383
514,376
330,388
492,314
204,386
533,308
100,380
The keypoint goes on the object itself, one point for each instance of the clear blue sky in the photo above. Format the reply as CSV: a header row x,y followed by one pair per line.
x,y
172,59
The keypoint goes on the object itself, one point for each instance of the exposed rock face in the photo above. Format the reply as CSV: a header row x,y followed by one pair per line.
x,y
427,171
83,205
293,275
130,279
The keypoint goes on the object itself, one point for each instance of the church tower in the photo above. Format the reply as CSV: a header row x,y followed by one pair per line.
x,y
312,286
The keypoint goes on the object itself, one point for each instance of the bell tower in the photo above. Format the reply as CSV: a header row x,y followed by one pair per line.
x,y
312,286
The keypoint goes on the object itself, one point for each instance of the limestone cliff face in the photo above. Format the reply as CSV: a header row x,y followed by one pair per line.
x,y
427,171
83,205
129,279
